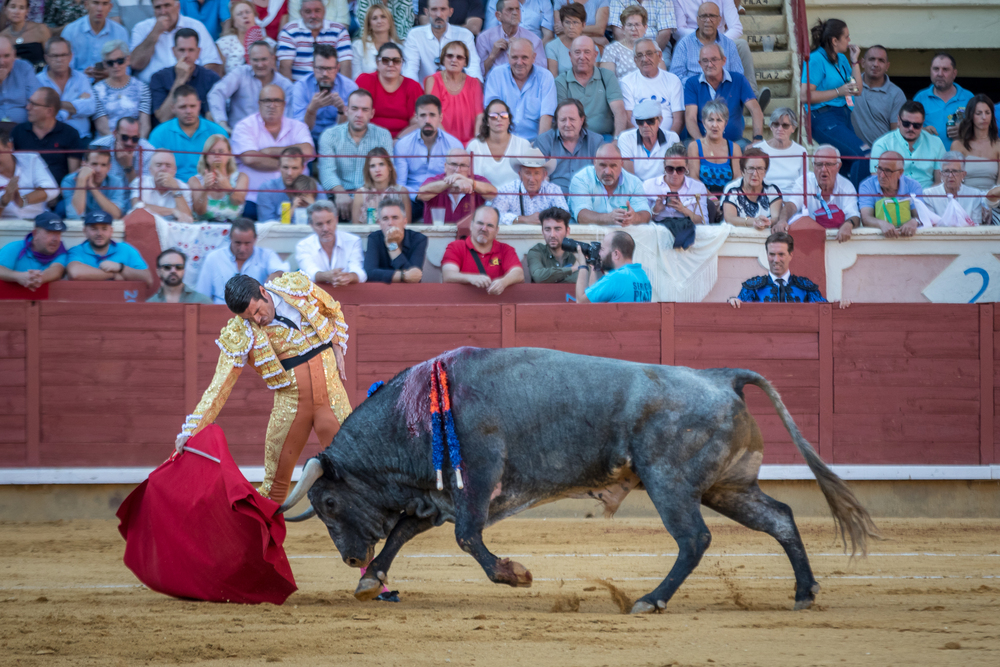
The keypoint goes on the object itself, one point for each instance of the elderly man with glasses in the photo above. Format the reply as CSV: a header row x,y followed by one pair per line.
x,y
922,150
521,201
644,147
884,198
260,139
649,82
235,97
974,205
456,192
832,201
77,103
170,267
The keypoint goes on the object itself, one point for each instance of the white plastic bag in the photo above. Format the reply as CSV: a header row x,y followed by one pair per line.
x,y
923,212
954,215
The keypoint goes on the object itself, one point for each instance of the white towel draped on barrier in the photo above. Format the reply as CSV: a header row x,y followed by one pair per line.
x,y
197,240
679,275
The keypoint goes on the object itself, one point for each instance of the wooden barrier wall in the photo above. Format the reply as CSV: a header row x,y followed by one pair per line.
x,y
84,384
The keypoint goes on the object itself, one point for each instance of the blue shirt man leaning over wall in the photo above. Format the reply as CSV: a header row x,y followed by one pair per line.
x,y
622,280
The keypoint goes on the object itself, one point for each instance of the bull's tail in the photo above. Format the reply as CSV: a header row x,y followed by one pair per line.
x,y
849,516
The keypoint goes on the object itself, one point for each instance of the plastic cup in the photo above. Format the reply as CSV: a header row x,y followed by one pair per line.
x,y
437,216
767,42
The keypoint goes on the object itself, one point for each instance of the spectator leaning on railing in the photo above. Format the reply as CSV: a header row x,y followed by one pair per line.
x,y
93,189
479,259
170,266
27,183
38,259
242,256
291,165
101,258
884,198
622,281
328,255
953,200
832,201
394,254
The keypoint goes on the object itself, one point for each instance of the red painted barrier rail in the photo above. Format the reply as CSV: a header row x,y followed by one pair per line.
x,y
907,384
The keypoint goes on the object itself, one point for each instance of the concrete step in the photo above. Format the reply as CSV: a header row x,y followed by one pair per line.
x,y
774,104
763,24
756,41
762,6
773,74
772,60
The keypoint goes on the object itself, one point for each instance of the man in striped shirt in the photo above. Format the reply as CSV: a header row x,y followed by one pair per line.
x,y
296,41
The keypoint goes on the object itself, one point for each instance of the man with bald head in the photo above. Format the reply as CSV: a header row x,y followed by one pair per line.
x,y
259,141
877,192
832,201
596,87
457,192
17,82
42,132
606,194
493,43
528,90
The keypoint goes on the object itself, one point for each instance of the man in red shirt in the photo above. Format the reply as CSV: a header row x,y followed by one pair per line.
x,y
480,260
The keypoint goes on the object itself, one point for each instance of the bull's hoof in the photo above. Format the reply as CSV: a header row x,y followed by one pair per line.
x,y
512,573
368,588
642,607
807,601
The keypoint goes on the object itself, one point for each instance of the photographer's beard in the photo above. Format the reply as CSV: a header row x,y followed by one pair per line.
x,y
607,265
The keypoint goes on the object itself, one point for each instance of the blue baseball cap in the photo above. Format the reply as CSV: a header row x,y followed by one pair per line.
x,y
49,221
98,218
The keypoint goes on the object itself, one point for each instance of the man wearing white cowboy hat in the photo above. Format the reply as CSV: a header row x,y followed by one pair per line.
x,y
520,201
644,147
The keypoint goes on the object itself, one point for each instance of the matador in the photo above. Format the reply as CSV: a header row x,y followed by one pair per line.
x,y
294,336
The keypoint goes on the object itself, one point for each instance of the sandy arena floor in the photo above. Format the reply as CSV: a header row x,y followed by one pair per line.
x,y
928,596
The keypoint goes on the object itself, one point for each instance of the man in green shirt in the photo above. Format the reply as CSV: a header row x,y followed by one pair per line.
x,y
596,87
170,267
548,262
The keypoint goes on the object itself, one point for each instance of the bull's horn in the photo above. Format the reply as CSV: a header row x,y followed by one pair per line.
x,y
311,471
308,514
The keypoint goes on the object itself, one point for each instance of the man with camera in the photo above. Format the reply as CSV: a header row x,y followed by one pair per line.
x,y
621,282
553,261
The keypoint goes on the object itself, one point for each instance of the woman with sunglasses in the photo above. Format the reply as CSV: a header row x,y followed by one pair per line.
x,y
395,96
833,81
461,95
495,144
379,28
751,201
28,37
218,190
120,95
787,168
675,194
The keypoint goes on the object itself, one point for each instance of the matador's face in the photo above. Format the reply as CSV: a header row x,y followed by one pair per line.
x,y
260,311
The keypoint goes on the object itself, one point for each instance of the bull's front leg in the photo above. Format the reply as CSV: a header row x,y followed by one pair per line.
x,y
376,574
472,505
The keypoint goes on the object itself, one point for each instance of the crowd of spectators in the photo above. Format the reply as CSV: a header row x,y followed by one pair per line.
x,y
478,114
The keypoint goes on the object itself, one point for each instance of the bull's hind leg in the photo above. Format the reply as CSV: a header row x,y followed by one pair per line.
x,y
376,573
754,509
679,508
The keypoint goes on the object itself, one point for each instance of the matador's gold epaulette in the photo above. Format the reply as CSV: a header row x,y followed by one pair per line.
x,y
295,283
236,339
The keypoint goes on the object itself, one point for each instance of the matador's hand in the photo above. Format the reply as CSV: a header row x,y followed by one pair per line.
x,y
339,354
179,444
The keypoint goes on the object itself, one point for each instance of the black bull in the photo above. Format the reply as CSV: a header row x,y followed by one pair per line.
x,y
539,425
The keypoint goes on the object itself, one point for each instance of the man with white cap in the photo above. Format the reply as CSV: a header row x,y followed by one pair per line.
x,y
644,147
520,201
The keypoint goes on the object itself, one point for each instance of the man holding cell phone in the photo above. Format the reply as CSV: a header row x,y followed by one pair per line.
x,y
319,99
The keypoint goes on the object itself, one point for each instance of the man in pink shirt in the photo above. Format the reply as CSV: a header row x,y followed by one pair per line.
x,y
258,141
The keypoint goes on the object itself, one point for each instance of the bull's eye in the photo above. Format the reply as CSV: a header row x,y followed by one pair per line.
x,y
329,503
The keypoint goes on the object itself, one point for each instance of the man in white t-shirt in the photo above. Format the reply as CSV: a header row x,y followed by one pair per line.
x,y
651,82
153,41
161,192
643,148
674,194
832,201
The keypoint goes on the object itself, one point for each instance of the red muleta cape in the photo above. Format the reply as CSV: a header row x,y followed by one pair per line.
x,y
198,529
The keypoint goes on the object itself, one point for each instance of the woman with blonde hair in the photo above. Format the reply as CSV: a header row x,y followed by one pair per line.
x,y
461,95
401,11
380,181
234,44
218,190
378,29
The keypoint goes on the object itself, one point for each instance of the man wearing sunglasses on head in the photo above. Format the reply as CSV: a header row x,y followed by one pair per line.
x,y
921,150
123,144
645,146
170,267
